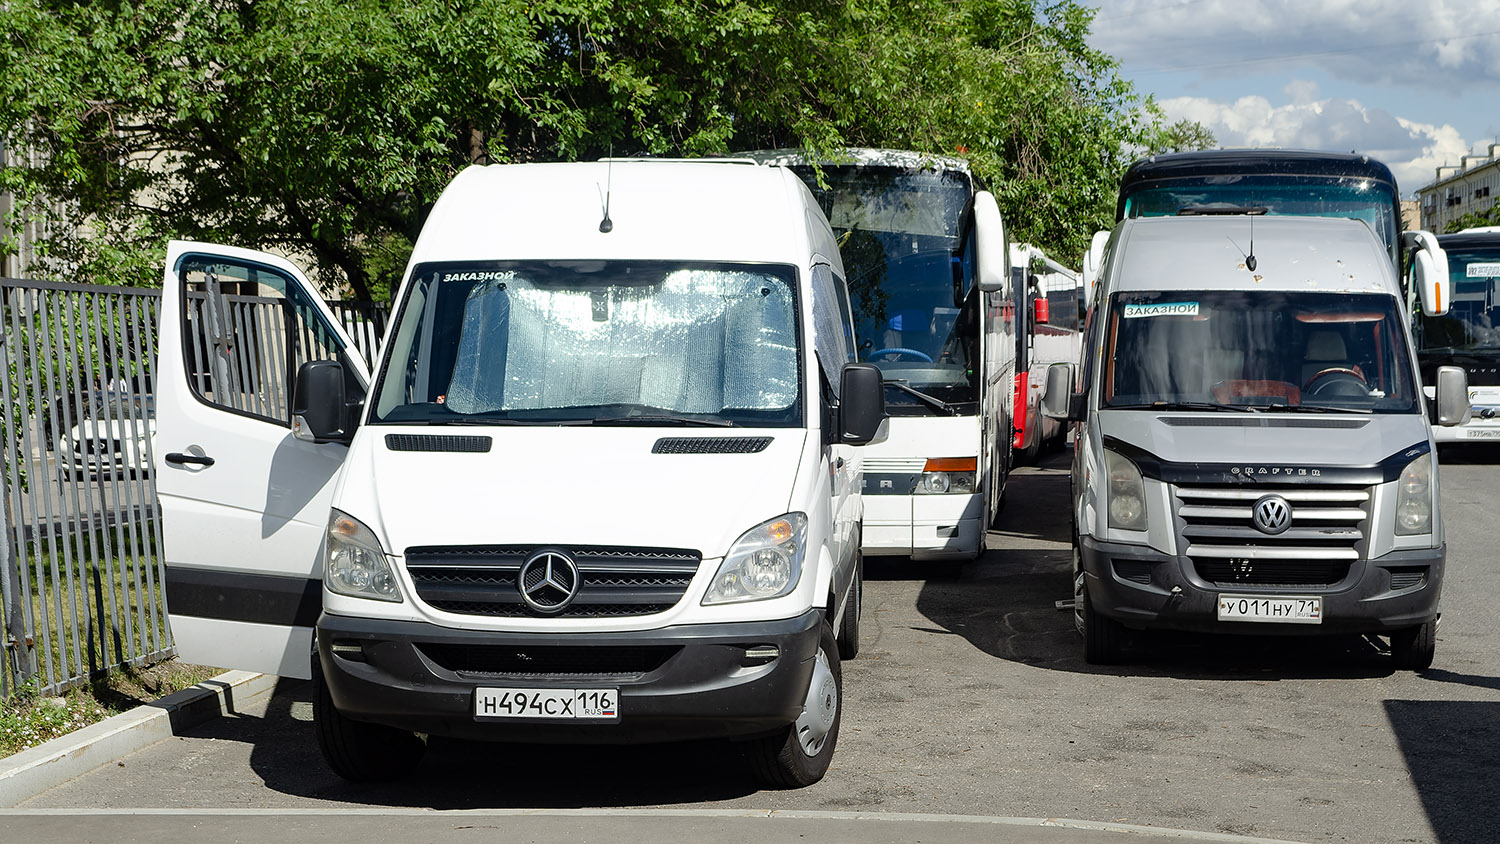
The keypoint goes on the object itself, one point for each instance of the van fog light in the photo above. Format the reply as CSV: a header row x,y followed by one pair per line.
x,y
760,655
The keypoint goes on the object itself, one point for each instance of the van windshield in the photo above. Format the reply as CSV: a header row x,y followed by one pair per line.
x,y
1260,350
595,342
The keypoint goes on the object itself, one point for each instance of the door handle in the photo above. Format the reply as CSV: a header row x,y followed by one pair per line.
x,y
838,463
178,458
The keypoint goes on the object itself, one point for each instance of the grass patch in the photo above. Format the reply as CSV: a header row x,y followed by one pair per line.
x,y
28,719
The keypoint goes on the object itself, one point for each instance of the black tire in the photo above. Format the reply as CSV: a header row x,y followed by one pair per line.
x,y
361,752
779,761
1103,637
849,627
1412,649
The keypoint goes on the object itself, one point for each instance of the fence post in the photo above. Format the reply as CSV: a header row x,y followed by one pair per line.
x,y
14,643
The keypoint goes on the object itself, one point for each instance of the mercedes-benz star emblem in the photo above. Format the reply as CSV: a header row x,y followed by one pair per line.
x,y
1272,514
549,581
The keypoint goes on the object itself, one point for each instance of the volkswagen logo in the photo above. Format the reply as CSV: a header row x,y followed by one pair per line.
x,y
549,581
1272,514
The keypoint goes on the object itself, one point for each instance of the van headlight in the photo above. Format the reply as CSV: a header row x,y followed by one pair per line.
x,y
356,565
1126,496
1414,497
765,562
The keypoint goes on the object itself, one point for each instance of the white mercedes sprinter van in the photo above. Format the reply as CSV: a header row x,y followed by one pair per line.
x,y
602,485
1254,453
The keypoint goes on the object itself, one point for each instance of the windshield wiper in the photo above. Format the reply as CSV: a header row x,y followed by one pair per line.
x,y
658,419
1218,209
930,401
1313,408
502,420
1186,405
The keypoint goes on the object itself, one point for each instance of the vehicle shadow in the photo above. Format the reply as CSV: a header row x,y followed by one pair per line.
x,y
1484,454
1451,748
479,775
1005,605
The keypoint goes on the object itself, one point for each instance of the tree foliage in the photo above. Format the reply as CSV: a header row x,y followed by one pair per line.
x,y
1474,219
327,128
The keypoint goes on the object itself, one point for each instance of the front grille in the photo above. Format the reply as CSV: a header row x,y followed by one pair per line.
x,y
552,661
1326,535
1408,576
614,582
1133,570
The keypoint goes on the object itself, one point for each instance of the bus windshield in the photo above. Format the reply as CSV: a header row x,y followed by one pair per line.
x,y
1307,196
897,228
1257,350
1473,320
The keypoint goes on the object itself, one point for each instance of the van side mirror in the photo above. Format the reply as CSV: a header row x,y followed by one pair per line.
x,y
1059,401
1429,272
318,403
1452,396
992,263
861,403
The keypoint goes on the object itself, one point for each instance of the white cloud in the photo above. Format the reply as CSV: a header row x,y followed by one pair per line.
x,y
1412,150
1442,44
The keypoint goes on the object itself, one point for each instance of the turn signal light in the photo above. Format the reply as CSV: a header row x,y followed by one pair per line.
x,y
951,464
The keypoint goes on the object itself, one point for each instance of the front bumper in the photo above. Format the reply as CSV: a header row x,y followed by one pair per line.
x,y
925,527
1363,602
675,684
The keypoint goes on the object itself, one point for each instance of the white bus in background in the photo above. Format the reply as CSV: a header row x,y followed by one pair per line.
x,y
945,345
1468,336
1048,305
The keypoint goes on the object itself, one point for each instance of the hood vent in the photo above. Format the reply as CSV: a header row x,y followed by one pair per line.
x,y
710,445
469,444
1247,421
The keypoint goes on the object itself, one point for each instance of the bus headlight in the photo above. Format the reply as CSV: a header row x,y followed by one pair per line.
x,y
1126,493
1414,497
947,475
765,562
356,565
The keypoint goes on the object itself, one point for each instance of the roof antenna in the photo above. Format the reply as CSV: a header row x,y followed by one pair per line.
x,y
606,225
1250,258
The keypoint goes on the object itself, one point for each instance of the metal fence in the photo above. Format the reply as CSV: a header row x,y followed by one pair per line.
x,y
82,562
80,542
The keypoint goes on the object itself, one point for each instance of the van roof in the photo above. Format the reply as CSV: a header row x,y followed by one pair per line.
x,y
660,210
1208,253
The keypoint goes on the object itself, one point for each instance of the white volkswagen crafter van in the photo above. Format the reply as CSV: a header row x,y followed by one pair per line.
x,y
603,486
1253,453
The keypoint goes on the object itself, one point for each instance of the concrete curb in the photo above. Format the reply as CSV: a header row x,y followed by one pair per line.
x,y
33,771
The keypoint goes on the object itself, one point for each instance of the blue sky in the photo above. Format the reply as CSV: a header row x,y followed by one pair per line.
x,y
1414,83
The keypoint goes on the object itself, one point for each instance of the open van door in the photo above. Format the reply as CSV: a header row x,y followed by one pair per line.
x,y
244,504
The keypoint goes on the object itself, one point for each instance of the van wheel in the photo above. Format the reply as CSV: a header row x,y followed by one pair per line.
x,y
849,627
361,752
1103,637
798,756
1412,649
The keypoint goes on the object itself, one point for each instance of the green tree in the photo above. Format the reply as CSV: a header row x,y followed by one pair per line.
x,y
1183,136
1474,219
327,128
